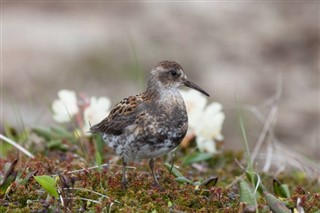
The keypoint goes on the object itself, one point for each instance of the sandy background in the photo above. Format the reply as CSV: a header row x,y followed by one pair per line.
x,y
229,48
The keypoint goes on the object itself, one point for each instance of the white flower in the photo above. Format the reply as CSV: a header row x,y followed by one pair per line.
x,y
195,104
65,107
209,127
205,145
95,112
204,122
211,123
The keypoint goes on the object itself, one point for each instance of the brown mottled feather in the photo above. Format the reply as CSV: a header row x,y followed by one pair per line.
x,y
122,115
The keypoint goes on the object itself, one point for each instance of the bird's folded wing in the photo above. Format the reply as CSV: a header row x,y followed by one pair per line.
x,y
121,116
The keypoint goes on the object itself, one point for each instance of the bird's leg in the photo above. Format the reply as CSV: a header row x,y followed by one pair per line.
x,y
151,164
124,178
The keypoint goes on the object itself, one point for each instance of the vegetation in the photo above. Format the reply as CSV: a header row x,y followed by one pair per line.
x,y
67,174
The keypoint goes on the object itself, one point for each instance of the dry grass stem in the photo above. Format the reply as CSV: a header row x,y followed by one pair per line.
x,y
18,146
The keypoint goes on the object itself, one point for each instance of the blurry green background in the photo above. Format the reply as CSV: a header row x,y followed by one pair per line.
x,y
107,49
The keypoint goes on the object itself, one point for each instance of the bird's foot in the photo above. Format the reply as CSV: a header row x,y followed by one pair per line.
x,y
124,184
157,186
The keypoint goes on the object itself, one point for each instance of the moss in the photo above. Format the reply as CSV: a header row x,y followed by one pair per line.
x,y
142,195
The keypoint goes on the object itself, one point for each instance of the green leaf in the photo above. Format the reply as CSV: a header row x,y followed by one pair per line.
x,y
42,132
196,157
61,132
275,204
56,144
210,182
290,204
246,193
53,133
280,190
10,132
173,170
49,184
183,180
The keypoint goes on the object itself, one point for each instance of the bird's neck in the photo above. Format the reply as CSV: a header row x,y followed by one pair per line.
x,y
166,99
157,91
153,88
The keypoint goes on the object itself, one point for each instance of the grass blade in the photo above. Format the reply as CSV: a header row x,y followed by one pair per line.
x,y
196,157
9,176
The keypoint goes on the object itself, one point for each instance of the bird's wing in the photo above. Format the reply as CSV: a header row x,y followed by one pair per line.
x,y
121,116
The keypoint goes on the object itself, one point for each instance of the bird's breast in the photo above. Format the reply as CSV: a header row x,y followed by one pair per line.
x,y
171,120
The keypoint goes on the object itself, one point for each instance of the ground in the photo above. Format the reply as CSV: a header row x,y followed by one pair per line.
x,y
197,182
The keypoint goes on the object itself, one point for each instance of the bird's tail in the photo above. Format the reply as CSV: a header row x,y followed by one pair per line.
x,y
95,129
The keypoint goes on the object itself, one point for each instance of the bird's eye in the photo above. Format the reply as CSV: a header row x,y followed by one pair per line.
x,y
173,72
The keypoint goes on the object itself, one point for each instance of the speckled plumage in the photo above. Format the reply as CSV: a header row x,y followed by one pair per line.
x,y
150,124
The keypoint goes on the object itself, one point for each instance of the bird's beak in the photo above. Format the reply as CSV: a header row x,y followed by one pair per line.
x,y
194,86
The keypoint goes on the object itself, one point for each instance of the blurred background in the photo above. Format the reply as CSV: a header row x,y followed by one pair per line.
x,y
266,54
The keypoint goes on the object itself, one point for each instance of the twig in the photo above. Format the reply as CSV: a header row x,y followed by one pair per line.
x,y
96,167
86,199
269,158
266,128
271,119
236,181
88,190
94,192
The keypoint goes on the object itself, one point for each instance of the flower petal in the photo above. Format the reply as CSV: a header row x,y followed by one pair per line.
x,y
205,145
96,111
212,120
195,103
65,107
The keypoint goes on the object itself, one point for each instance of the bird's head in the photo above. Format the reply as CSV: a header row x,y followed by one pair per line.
x,y
169,74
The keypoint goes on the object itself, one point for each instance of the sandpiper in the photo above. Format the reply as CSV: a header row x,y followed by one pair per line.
x,y
152,123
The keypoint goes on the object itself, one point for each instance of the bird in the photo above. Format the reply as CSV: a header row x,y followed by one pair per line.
x,y
152,123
